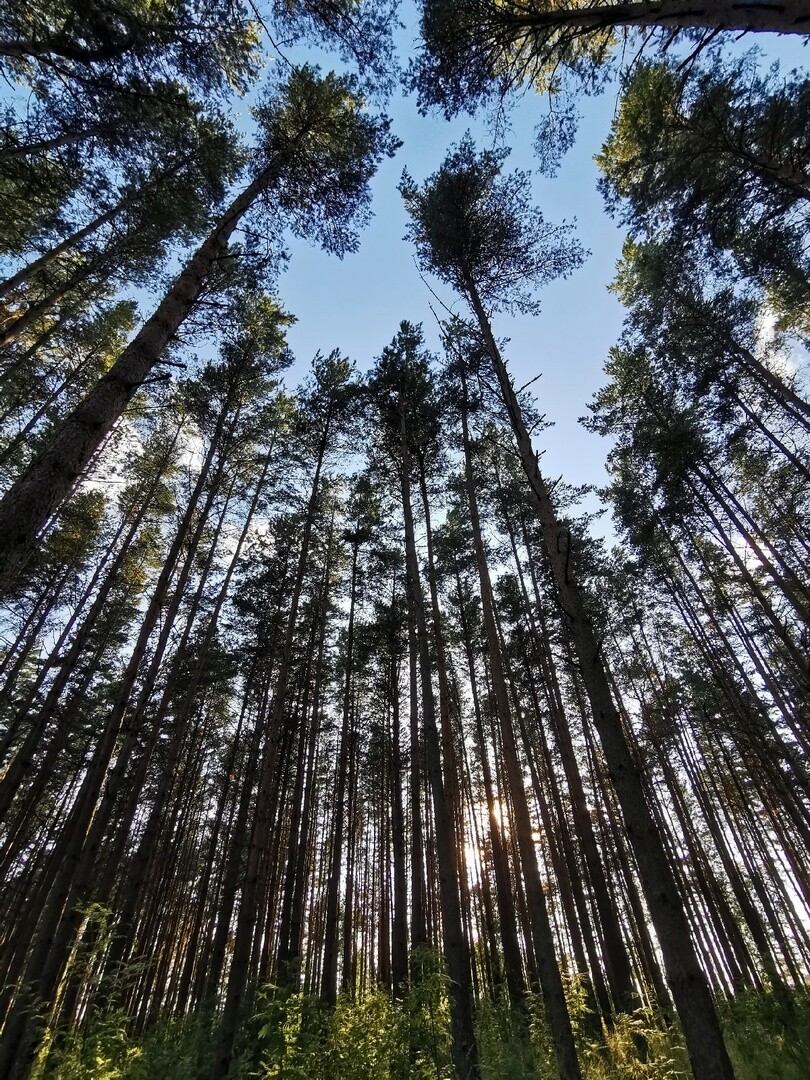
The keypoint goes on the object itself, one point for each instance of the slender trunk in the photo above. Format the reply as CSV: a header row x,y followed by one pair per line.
x,y
788,399
399,939
305,839
451,771
330,952
781,630
743,523
137,869
22,762
707,1052
98,222
465,1054
14,326
419,931
348,974
288,963
753,417
50,478
550,979
263,813
72,862
513,968
614,953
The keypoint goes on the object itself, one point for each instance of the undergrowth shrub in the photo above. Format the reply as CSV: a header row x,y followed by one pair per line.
x,y
504,1043
618,1055
367,1039
373,1039
426,1015
768,1038
292,1036
170,1048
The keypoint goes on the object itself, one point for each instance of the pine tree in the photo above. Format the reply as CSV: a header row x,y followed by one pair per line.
x,y
474,233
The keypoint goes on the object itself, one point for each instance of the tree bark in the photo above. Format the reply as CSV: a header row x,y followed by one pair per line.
x,y
707,1052
262,819
783,17
465,1053
330,952
542,938
50,478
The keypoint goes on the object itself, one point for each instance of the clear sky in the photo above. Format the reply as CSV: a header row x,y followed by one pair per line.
x,y
357,304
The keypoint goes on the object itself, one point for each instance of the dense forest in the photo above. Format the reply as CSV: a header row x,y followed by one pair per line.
x,y
336,743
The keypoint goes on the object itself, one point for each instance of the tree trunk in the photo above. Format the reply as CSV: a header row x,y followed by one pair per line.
x,y
465,1054
399,937
262,818
513,968
330,951
707,1052
50,478
550,979
741,16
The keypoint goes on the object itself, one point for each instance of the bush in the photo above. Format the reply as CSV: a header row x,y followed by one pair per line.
x,y
171,1048
375,1038
768,1038
295,1037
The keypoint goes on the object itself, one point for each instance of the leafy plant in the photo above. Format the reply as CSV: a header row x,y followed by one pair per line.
x,y
109,1052
503,1042
619,1054
768,1038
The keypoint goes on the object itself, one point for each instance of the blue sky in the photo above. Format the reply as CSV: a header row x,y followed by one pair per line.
x,y
357,304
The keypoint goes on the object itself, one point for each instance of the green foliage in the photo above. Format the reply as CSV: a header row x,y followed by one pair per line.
x,y
303,1041
427,1016
476,229
361,30
718,160
381,1039
374,1038
618,1057
170,1048
290,1034
132,39
318,150
296,1038
768,1040
504,1046
640,1046
403,394
478,50
367,1039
